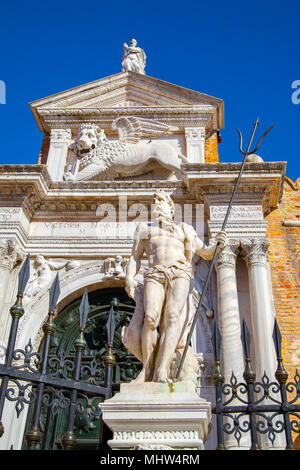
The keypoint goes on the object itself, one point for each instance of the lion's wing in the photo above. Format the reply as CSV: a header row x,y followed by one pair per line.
x,y
131,129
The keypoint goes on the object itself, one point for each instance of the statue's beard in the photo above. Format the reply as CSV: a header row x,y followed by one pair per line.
x,y
164,220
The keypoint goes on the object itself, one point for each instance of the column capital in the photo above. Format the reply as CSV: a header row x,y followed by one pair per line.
x,y
10,254
228,254
255,251
60,135
194,133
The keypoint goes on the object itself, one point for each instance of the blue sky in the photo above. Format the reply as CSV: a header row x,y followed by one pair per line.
x,y
247,53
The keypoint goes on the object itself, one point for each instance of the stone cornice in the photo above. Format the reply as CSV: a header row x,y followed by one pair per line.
x,y
23,185
31,185
160,110
27,173
265,178
181,116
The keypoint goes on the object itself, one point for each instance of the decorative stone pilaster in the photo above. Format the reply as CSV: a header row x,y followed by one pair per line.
x,y
58,151
229,324
255,252
195,144
10,256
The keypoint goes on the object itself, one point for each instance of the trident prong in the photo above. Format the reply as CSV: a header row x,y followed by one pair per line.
x,y
251,152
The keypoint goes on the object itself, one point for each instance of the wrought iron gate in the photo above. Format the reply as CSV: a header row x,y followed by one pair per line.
x,y
57,382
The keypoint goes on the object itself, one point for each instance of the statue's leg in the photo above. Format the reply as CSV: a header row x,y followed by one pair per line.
x,y
154,295
177,297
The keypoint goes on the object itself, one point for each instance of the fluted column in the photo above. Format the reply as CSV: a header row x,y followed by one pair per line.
x,y
228,309
255,252
229,325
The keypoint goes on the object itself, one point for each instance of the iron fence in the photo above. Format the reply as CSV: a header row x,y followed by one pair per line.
x,y
260,408
62,382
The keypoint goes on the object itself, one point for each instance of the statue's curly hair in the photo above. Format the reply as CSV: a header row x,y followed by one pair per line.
x,y
163,195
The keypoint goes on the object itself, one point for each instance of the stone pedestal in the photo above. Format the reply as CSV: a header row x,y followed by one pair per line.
x,y
157,416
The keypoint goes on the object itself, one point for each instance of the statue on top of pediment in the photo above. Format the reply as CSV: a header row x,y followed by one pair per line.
x,y
134,58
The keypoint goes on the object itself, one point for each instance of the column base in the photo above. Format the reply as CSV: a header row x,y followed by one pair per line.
x,y
157,416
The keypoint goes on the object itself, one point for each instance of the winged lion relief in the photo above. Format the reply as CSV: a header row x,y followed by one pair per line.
x,y
95,157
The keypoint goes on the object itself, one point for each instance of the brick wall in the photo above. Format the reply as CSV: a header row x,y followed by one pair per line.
x,y
285,273
211,149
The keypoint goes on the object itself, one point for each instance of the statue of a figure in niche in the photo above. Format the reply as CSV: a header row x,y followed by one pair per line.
x,y
164,301
42,275
134,58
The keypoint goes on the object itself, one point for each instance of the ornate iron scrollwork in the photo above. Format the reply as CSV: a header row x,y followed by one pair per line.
x,y
256,407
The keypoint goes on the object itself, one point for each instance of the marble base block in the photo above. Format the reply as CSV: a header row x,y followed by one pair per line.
x,y
157,416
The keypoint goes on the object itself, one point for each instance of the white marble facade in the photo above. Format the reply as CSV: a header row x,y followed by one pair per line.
x,y
81,224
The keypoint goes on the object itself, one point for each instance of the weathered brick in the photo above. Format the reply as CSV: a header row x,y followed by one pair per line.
x,y
285,272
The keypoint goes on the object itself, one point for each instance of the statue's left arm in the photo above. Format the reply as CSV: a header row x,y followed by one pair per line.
x,y
207,251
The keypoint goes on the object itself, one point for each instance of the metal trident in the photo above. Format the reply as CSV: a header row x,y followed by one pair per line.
x,y
248,152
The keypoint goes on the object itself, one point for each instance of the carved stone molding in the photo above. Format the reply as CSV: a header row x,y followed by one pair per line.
x,y
255,251
10,254
203,109
151,447
228,254
60,135
156,435
195,133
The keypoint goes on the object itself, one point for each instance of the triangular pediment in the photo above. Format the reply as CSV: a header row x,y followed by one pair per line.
x,y
123,90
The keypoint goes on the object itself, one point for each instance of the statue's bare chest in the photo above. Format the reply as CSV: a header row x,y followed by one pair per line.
x,y
158,237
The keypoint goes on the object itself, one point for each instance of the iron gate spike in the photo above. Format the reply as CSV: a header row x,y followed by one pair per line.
x,y
216,339
54,293
84,310
24,275
110,325
246,339
277,338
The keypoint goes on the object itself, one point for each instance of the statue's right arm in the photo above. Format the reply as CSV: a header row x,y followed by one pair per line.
x,y
134,263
